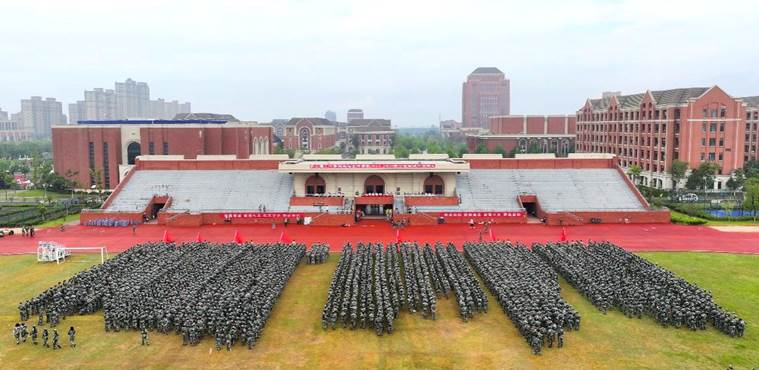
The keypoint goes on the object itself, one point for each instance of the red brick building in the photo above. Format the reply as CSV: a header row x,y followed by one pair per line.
x,y
544,134
309,134
653,128
110,147
485,93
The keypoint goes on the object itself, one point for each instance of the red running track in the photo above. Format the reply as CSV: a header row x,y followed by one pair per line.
x,y
651,237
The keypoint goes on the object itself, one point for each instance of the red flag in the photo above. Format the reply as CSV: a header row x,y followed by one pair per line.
x,y
563,234
283,238
492,235
238,237
199,238
398,236
167,237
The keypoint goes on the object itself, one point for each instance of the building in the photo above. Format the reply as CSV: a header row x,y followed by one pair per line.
x,y
425,189
12,130
111,147
38,115
129,99
161,109
330,116
653,128
485,93
527,134
309,134
133,99
751,140
371,136
355,114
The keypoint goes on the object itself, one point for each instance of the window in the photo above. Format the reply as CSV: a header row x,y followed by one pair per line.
x,y
721,142
165,148
703,142
712,142
711,156
133,151
723,112
703,127
151,148
713,127
722,127
106,168
91,150
720,156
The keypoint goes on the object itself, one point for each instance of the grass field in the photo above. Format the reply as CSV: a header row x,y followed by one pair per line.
x,y
720,222
293,337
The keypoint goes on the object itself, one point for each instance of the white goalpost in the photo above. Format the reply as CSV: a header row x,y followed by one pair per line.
x,y
51,251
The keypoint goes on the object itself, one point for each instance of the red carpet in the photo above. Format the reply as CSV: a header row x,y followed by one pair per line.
x,y
663,237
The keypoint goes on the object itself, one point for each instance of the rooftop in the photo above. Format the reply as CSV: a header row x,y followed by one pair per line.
x,y
662,97
487,70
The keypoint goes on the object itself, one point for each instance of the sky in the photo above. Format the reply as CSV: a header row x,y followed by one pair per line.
x,y
403,60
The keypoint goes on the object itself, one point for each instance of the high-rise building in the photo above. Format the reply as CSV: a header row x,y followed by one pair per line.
x,y
330,116
132,99
3,115
161,109
355,114
38,115
485,93
654,128
129,100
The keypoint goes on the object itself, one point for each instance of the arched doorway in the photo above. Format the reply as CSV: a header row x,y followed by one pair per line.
x,y
133,151
304,137
315,185
433,184
374,184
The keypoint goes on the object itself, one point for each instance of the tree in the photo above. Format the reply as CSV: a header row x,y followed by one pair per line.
x,y
400,152
501,150
481,149
678,170
751,168
702,177
635,171
736,180
751,196
728,206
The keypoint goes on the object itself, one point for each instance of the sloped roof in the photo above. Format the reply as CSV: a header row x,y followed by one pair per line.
x,y
662,97
314,120
751,101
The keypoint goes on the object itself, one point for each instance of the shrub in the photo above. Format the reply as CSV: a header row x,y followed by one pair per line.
x,y
686,220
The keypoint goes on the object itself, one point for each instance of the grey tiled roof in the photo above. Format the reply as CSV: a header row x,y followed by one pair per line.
x,y
315,120
751,101
662,97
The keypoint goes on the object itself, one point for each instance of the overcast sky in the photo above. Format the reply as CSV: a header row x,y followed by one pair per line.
x,y
404,60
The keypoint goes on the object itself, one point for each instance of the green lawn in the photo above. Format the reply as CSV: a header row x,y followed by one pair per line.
x,y
58,221
293,337
38,193
719,223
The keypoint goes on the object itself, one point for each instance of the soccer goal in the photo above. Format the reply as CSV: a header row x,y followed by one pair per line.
x,y
52,251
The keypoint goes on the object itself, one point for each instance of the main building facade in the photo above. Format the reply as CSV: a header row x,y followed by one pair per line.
x,y
654,128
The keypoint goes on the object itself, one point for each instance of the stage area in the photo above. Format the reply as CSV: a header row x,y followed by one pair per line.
x,y
633,237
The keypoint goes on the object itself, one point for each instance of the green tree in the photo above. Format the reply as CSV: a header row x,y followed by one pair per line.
x,y
751,195
481,149
501,150
678,170
635,171
736,180
751,168
702,177
400,152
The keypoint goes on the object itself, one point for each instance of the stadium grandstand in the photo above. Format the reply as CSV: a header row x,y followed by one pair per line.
x,y
423,189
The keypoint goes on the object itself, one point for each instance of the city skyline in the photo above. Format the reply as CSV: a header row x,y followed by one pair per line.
x,y
405,65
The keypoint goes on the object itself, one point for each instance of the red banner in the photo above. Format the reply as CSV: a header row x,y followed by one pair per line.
x,y
481,214
381,166
231,216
